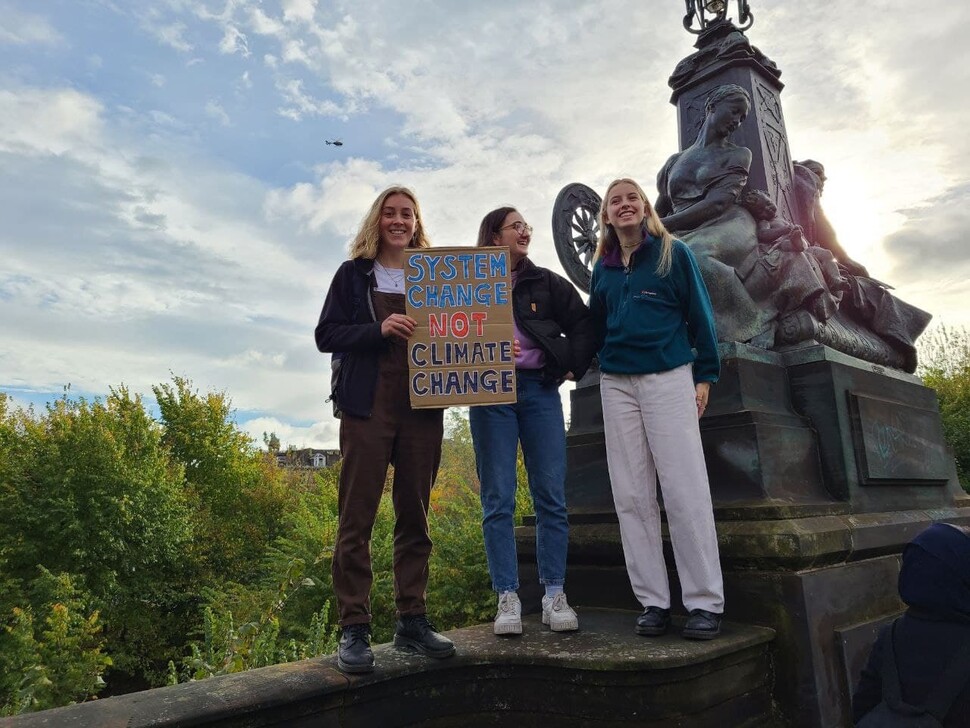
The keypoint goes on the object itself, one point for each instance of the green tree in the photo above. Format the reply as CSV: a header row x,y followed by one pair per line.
x,y
945,366
237,493
89,490
272,442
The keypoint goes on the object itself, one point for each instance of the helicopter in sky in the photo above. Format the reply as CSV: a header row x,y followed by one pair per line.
x,y
334,143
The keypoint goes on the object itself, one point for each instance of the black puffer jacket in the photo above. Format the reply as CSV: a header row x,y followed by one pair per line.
x,y
548,308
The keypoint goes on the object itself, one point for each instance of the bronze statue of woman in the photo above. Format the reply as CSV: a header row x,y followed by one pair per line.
x,y
700,191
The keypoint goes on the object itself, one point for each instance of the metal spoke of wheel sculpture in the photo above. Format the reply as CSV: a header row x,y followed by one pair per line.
x,y
575,230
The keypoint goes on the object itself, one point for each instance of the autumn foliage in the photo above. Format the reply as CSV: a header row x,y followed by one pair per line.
x,y
138,550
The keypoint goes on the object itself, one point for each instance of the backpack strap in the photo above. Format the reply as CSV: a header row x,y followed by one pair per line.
x,y
952,682
891,691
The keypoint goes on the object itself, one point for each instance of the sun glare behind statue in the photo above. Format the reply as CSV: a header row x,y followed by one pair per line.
x,y
866,203
861,222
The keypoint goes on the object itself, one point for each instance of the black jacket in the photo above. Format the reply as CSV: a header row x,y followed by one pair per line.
x,y
547,307
934,582
923,647
349,328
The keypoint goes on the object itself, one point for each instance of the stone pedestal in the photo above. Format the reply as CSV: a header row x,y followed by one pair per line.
x,y
822,468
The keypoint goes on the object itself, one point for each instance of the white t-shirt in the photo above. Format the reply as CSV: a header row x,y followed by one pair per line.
x,y
389,280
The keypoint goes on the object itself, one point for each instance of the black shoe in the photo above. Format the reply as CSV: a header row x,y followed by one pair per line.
x,y
654,622
416,633
354,654
702,625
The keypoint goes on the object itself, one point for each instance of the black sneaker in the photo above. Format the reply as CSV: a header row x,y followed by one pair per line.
x,y
354,654
654,622
417,634
702,625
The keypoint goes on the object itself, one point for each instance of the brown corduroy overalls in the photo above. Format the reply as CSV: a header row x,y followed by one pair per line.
x,y
411,441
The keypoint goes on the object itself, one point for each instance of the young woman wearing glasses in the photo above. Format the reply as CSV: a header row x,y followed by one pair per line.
x,y
555,342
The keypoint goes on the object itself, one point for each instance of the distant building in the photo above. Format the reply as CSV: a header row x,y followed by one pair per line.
x,y
308,457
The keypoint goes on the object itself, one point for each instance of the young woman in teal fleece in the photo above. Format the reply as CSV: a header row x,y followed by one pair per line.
x,y
652,311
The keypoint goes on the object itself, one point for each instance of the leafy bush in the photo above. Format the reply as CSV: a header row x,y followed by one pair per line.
x,y
945,366
51,653
90,491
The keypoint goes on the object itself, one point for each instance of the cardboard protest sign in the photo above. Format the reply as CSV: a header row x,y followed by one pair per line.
x,y
461,351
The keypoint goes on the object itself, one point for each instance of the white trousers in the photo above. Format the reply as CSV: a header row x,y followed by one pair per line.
x,y
650,422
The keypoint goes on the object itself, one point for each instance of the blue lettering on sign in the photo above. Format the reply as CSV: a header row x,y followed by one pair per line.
x,y
418,262
417,384
415,349
465,259
448,263
463,296
501,293
447,297
469,381
507,381
498,265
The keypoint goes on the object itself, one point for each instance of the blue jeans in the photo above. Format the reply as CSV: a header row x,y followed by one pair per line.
x,y
536,421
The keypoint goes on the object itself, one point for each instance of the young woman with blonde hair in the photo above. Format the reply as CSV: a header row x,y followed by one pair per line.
x,y
651,309
364,324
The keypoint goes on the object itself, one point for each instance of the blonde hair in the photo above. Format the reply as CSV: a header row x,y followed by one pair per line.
x,y
368,239
651,224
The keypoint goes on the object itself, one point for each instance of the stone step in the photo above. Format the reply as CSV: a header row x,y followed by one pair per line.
x,y
603,674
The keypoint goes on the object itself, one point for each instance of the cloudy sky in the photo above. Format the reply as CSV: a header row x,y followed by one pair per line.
x,y
169,205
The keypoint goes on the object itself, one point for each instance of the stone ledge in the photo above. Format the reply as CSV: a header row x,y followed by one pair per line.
x,y
603,672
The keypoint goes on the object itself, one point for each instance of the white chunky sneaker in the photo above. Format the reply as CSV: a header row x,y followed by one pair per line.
x,y
508,620
558,614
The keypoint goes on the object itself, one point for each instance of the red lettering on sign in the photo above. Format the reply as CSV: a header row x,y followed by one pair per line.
x,y
479,317
459,324
438,324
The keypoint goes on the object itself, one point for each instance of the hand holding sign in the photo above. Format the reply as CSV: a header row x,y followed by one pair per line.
x,y
399,325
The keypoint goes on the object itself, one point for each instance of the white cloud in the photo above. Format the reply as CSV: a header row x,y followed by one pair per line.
x,y
163,264
262,24
323,434
214,110
20,28
48,122
233,41
172,35
299,10
299,104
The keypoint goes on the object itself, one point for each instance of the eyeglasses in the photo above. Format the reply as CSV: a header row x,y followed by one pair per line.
x,y
519,227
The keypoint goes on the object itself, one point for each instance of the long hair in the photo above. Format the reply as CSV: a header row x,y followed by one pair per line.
x,y
368,239
651,224
491,225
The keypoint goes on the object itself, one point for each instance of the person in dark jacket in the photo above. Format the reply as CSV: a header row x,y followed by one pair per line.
x,y
363,322
652,312
555,342
934,582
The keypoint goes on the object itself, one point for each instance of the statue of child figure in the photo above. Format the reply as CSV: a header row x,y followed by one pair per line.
x,y
785,267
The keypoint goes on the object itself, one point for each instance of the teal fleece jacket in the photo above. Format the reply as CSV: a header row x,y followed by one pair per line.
x,y
649,324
